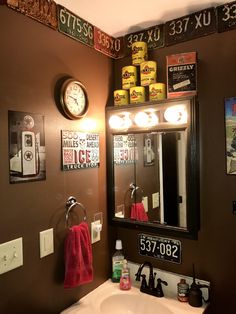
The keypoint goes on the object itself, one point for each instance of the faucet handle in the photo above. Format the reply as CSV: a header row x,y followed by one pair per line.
x,y
143,282
159,291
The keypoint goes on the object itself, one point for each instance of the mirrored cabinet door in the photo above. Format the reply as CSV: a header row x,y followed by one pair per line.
x,y
153,182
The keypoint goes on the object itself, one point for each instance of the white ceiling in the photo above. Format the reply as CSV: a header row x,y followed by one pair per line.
x,y
121,17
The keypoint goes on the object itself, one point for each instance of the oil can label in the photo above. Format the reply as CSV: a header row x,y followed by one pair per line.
x,y
121,97
129,76
181,75
157,91
139,52
148,72
137,94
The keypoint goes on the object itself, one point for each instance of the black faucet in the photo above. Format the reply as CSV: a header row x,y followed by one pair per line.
x,y
149,287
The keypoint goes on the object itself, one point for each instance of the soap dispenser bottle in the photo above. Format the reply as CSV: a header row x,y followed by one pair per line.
x,y
125,281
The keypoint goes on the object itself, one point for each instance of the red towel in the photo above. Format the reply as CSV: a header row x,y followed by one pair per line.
x,y
138,212
78,256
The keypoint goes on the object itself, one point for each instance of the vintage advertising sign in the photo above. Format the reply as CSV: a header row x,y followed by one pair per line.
x,y
124,149
226,16
110,46
181,74
161,248
26,147
153,36
44,11
75,27
191,26
230,131
79,150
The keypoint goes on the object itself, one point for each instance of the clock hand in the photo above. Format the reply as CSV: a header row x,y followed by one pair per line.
x,y
73,98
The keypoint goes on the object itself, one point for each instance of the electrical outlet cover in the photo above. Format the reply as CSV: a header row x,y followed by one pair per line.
x,y
11,255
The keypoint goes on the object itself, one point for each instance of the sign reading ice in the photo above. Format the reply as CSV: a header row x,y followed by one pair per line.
x,y
79,150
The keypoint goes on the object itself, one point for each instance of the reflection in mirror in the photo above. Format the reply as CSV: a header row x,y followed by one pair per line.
x,y
152,166
149,177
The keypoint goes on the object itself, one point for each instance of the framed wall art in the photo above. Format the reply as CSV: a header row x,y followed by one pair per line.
x,y
230,134
26,147
79,150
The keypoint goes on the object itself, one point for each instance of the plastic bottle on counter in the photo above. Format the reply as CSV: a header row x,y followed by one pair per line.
x,y
117,262
125,281
183,290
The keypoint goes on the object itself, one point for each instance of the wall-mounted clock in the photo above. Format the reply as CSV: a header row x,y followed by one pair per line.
x,y
73,99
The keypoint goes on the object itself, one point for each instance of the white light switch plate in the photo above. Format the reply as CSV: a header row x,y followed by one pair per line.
x,y
155,200
46,242
95,234
145,203
11,255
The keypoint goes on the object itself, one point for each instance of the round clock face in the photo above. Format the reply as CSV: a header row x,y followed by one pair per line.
x,y
74,99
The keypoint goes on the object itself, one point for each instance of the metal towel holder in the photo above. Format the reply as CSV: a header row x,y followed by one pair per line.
x,y
134,188
70,204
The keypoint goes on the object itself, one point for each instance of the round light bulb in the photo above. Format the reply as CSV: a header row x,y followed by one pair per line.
x,y
141,119
115,122
176,114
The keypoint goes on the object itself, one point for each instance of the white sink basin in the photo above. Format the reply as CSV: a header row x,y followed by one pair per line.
x,y
131,304
109,299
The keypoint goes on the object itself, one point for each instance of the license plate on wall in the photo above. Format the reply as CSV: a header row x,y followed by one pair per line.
x,y
161,248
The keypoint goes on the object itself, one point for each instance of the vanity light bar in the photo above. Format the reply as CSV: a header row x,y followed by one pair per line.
x,y
150,117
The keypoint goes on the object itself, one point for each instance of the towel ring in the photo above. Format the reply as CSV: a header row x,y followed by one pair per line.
x,y
70,204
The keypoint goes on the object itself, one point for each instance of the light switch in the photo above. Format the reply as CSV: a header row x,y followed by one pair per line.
x,y
96,228
46,242
155,200
145,203
11,255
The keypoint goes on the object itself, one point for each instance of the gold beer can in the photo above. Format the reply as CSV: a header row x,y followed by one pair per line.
x,y
148,72
121,97
129,76
157,91
139,52
137,94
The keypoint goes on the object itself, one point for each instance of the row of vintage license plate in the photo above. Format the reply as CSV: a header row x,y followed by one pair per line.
x,y
197,24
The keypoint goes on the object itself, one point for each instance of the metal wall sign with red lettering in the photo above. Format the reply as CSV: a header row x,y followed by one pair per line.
x,y
79,150
110,46
124,149
44,11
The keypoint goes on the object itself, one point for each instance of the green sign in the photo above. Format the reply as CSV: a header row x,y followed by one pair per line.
x,y
74,26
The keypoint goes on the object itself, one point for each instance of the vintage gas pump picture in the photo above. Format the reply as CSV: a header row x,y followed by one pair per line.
x,y
26,147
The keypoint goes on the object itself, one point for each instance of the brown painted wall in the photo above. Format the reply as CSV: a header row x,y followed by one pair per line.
x,y
32,58
214,252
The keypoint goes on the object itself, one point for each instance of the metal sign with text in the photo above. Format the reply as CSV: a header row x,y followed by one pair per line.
x,y
153,36
226,16
191,26
162,248
75,27
79,150
44,11
124,149
110,46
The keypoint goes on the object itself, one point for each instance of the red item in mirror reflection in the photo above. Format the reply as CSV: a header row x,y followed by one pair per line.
x,y
138,212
